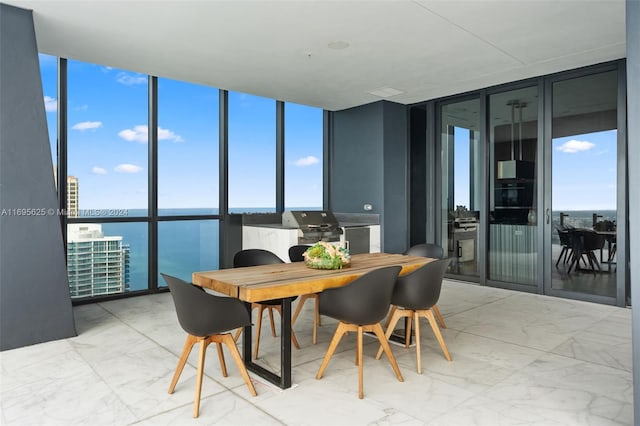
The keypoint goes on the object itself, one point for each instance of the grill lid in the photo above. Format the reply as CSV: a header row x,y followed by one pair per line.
x,y
313,225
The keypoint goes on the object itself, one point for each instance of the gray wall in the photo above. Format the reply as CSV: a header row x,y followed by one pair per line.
x,y
35,305
369,166
633,137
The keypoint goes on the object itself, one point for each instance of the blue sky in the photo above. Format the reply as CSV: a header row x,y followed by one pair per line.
x,y
108,149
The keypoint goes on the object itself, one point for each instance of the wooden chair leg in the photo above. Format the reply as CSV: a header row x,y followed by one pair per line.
x,y
303,299
428,314
360,365
337,336
391,312
391,323
238,333
316,323
188,345
259,328
377,329
223,365
196,403
439,316
231,344
407,333
417,333
273,323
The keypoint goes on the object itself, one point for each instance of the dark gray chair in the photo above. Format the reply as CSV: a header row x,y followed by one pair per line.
x,y
432,251
257,257
296,252
415,295
359,307
207,319
295,255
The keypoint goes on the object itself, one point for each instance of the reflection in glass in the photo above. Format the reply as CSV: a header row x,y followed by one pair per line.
x,y
584,180
460,138
187,246
187,148
106,258
252,153
513,136
107,139
303,157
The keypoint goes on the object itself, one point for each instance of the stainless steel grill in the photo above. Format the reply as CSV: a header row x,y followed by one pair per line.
x,y
313,225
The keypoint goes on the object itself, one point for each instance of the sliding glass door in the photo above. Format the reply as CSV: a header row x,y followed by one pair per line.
x,y
583,149
461,185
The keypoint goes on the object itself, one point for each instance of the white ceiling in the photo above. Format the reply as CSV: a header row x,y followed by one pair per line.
x,y
286,50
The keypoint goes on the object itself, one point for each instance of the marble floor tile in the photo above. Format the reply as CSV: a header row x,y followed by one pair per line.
x,y
518,359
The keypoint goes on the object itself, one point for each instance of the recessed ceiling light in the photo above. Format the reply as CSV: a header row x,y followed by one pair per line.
x,y
385,92
338,45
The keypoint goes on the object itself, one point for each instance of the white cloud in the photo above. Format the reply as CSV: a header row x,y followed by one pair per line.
x,y
140,132
50,104
127,168
131,79
306,161
573,146
98,170
81,108
166,134
87,125
137,134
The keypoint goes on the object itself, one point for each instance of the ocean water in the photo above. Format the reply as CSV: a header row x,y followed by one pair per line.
x,y
192,245
183,246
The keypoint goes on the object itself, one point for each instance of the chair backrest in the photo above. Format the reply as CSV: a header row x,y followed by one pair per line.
x,y
295,252
592,240
365,300
563,234
255,257
203,314
433,251
420,289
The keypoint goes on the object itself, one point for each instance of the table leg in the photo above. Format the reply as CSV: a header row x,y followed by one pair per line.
x,y
284,380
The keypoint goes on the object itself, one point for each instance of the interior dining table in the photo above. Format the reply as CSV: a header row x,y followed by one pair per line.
x,y
285,281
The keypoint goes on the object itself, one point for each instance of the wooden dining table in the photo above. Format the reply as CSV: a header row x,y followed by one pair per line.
x,y
285,281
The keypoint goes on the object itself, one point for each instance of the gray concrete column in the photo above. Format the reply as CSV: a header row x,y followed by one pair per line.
x,y
35,305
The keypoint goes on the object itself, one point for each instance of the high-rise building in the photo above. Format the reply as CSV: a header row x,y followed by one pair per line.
x,y
72,193
72,196
96,265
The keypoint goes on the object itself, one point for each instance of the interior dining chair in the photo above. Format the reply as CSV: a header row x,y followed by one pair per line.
x,y
207,319
359,307
432,251
256,257
296,255
415,295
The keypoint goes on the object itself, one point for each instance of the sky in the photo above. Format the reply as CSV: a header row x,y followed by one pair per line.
x,y
108,142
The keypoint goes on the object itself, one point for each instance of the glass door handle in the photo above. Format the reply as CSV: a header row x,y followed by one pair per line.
x,y
547,213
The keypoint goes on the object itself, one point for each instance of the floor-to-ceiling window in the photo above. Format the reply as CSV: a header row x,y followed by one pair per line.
x,y
143,169
460,164
513,151
584,159
188,174
252,153
303,157
107,184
